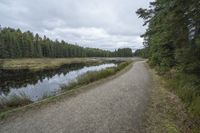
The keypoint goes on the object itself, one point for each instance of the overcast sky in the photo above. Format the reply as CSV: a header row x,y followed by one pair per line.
x,y
105,24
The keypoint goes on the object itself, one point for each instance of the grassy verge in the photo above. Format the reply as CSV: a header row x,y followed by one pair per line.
x,y
166,112
84,83
94,76
40,63
187,87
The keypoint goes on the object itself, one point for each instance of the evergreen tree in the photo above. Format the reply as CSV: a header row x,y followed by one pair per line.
x,y
17,44
173,33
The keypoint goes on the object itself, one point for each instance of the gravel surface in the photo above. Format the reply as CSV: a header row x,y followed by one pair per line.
x,y
116,106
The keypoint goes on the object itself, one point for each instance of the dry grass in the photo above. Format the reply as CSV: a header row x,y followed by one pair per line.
x,y
40,63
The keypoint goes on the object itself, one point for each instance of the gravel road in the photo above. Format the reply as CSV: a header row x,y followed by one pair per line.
x,y
116,106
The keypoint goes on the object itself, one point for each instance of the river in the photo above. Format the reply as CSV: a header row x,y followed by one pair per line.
x,y
37,85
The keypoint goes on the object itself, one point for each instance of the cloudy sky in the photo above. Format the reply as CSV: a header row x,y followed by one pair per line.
x,y
106,24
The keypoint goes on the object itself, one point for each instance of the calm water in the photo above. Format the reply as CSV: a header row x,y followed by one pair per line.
x,y
45,83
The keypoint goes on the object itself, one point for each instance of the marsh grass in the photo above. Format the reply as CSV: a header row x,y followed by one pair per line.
x,y
45,96
36,64
13,102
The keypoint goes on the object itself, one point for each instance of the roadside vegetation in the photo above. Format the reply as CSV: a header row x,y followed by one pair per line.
x,y
22,100
172,45
187,87
94,76
166,112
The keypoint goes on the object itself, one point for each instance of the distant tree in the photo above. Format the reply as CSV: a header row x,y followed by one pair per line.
x,y
123,52
17,44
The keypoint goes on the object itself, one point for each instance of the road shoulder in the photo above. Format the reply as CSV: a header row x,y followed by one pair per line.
x,y
166,112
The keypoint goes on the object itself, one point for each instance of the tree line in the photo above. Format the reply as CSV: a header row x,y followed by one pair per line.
x,y
141,52
17,44
173,35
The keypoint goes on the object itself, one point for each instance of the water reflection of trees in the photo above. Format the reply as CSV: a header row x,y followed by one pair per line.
x,y
22,78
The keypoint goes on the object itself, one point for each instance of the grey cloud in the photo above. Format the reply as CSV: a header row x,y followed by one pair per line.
x,y
107,24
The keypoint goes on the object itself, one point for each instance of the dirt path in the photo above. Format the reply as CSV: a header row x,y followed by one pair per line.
x,y
116,106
